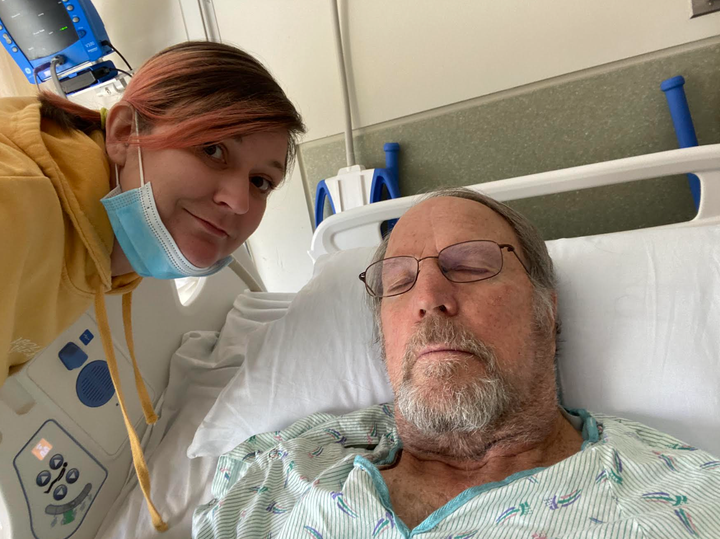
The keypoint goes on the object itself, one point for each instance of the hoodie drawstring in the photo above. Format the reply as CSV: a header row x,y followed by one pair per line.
x,y
150,415
141,469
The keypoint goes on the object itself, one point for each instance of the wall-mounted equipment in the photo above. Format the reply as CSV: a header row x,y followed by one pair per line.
x,y
703,7
59,40
683,124
355,185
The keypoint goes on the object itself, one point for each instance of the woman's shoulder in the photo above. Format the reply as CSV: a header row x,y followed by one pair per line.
x,y
12,105
17,114
19,118
16,118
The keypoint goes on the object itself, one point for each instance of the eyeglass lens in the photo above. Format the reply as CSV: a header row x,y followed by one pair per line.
x,y
461,263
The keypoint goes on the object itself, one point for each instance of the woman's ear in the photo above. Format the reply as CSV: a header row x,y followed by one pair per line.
x,y
118,128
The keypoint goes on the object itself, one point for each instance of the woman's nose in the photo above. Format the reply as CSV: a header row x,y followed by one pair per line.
x,y
433,293
235,194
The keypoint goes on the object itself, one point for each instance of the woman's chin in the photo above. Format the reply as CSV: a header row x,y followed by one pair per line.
x,y
203,259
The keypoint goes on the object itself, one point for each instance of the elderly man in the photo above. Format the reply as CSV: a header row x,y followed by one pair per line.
x,y
476,444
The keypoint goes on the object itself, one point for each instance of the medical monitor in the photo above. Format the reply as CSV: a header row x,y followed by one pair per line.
x,y
36,31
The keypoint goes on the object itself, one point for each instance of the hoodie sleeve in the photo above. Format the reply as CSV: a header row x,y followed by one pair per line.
x,y
36,303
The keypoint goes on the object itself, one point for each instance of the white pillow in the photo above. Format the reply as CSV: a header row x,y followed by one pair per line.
x,y
320,357
640,313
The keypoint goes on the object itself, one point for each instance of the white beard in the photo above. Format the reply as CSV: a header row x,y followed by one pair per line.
x,y
446,405
436,401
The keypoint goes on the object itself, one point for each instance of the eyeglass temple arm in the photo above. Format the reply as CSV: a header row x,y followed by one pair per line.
x,y
512,250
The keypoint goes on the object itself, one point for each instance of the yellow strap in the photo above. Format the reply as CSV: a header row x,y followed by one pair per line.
x,y
138,458
150,415
103,118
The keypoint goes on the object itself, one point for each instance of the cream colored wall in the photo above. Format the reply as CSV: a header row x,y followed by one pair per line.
x,y
140,28
409,56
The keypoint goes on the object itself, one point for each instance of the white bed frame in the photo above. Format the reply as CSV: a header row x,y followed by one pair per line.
x,y
44,391
360,227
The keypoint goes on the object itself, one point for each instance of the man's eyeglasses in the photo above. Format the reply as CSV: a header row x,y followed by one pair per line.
x,y
466,262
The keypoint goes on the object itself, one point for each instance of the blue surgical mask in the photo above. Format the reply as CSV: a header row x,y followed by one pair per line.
x,y
147,244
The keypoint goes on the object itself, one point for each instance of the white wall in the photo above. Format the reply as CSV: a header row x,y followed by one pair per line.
x,y
408,56
141,28
279,246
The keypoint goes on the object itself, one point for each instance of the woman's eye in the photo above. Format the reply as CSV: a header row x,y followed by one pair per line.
x,y
263,184
214,151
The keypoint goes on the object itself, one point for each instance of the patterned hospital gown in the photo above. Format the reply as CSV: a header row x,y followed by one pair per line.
x,y
319,479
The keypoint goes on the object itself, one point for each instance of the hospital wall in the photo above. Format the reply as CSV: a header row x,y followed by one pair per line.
x,y
493,89
599,114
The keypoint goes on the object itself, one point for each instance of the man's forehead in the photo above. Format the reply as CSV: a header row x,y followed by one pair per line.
x,y
438,222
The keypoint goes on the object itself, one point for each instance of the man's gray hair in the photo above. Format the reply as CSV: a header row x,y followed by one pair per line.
x,y
531,246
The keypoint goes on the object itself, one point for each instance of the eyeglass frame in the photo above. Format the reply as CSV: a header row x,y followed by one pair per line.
x,y
507,246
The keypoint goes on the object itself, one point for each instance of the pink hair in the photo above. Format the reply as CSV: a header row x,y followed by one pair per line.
x,y
204,92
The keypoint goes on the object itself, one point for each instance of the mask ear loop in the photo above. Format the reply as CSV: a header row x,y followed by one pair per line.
x,y
140,161
142,171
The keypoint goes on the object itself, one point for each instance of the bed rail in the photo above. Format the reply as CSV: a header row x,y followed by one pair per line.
x,y
360,227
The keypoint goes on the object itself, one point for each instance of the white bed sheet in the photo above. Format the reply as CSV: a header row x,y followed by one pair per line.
x,y
199,370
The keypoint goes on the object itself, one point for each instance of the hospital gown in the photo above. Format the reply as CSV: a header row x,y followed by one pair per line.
x,y
320,479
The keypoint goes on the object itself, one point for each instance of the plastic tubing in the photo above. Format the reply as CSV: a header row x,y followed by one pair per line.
x,y
58,60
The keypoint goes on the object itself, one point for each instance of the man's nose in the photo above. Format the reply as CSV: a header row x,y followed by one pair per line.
x,y
234,193
433,293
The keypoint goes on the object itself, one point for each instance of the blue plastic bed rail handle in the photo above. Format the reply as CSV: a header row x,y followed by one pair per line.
x,y
682,121
392,150
387,177
321,194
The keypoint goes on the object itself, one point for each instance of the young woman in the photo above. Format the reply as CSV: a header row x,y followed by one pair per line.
x,y
167,184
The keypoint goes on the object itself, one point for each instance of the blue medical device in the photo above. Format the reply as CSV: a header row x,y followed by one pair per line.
x,y
35,32
682,121
387,178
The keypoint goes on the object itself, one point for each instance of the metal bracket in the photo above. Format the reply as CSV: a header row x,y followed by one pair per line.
x,y
703,7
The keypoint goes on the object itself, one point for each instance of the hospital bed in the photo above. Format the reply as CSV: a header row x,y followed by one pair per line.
x,y
220,370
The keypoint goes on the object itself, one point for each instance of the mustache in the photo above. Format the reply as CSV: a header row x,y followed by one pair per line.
x,y
446,332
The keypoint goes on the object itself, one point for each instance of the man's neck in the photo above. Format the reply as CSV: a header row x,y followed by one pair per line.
x,y
421,482
484,458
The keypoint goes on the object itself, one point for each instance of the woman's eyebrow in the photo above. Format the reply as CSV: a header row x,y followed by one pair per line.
x,y
278,165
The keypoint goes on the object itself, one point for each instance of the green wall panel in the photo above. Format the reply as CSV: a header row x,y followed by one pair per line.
x,y
605,113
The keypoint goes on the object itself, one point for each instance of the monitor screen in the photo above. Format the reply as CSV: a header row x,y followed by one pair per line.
x,y
39,27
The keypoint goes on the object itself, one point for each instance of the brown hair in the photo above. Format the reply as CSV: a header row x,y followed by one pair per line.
x,y
204,91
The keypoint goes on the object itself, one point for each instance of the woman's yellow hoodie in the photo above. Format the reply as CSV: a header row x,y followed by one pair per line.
x,y
55,245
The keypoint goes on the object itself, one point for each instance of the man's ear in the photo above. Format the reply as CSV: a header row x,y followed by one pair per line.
x,y
555,313
118,128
